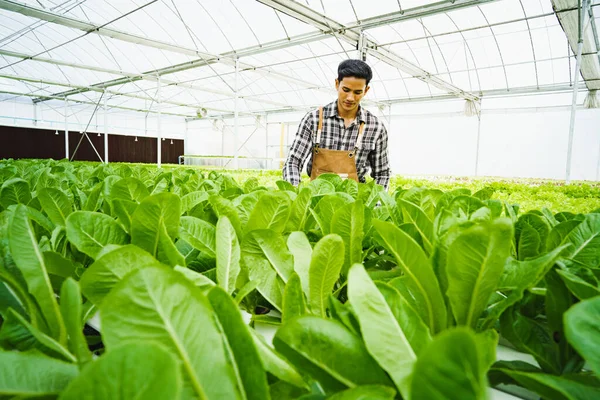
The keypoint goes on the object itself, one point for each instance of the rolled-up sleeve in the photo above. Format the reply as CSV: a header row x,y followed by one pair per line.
x,y
299,151
379,159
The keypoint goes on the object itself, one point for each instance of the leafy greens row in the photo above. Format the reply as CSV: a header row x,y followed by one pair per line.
x,y
374,295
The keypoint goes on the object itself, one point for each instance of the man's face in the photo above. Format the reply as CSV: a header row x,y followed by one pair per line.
x,y
351,90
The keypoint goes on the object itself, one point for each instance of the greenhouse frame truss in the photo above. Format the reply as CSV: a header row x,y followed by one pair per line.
x,y
236,58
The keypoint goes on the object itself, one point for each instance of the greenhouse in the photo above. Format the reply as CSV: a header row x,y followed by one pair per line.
x,y
300,199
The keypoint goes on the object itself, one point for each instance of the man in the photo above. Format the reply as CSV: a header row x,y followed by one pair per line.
x,y
342,137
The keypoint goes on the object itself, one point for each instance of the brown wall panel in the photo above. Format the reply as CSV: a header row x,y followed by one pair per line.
x,y
171,152
85,151
31,143
126,149
44,143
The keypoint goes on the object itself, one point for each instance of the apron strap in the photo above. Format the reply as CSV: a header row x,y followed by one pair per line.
x,y
319,127
358,144
361,130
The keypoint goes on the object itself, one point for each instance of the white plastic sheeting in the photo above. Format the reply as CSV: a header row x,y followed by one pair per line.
x,y
496,45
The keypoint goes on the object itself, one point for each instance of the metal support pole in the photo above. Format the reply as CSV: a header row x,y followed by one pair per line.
x,y
582,11
478,142
158,127
287,140
185,140
35,114
267,163
598,166
222,143
105,130
66,130
236,122
281,145
361,47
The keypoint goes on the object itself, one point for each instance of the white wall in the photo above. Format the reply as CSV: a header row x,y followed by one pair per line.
x,y
519,137
432,145
534,144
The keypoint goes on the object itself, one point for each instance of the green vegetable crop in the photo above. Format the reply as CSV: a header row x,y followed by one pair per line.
x,y
373,295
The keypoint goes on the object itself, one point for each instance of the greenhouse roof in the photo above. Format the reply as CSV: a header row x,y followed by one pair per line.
x,y
287,52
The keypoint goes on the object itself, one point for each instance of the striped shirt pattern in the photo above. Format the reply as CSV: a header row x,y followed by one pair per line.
x,y
335,136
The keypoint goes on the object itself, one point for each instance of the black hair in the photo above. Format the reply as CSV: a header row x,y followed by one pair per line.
x,y
354,68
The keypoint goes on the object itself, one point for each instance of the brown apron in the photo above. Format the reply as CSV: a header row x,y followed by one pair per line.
x,y
340,162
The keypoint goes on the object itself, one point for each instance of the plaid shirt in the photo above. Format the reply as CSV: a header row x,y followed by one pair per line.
x,y
335,136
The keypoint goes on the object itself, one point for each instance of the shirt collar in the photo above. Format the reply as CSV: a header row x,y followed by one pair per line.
x,y
331,110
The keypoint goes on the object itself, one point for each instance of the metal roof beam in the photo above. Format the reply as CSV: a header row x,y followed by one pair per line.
x,y
594,32
131,95
228,58
441,7
63,20
100,90
522,91
151,76
531,90
369,23
91,103
194,64
131,77
352,36
205,58
65,63
568,16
